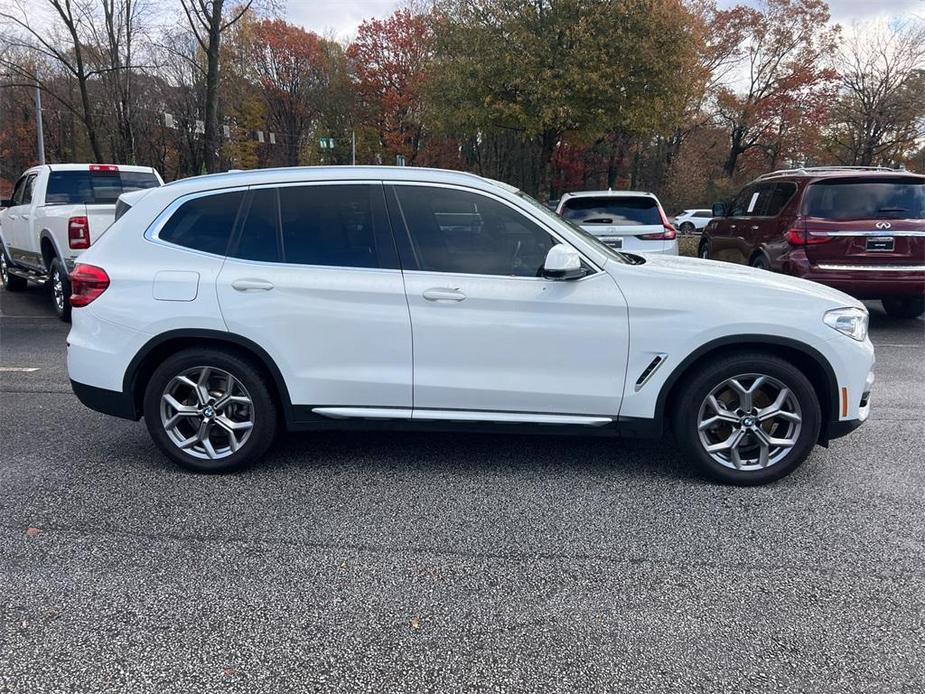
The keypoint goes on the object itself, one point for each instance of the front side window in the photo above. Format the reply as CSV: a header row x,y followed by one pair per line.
x,y
463,232
204,223
870,198
18,189
27,190
613,210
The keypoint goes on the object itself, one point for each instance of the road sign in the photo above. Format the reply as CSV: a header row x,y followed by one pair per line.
x,y
327,142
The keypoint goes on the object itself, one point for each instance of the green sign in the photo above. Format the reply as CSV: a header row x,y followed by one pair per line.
x,y
327,142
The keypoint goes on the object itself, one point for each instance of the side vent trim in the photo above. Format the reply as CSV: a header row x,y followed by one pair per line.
x,y
650,369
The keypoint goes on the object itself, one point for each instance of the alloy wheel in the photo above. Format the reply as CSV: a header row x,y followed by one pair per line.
x,y
207,413
4,271
749,422
57,289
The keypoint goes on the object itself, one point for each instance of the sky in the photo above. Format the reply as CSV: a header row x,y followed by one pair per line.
x,y
342,17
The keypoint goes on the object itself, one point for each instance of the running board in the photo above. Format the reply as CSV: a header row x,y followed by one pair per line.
x,y
460,416
31,275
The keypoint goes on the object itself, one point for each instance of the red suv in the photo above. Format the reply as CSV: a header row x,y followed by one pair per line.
x,y
858,229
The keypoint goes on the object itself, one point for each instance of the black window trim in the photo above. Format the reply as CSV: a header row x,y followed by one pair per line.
x,y
403,230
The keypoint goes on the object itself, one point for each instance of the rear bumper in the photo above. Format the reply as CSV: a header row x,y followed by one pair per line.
x,y
111,402
859,281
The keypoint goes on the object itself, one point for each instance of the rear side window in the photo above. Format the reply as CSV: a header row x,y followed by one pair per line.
x,y
704,214
335,225
95,187
870,198
620,211
778,198
204,223
330,225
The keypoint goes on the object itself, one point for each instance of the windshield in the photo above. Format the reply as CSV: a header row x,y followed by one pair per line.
x,y
872,198
590,238
613,210
95,187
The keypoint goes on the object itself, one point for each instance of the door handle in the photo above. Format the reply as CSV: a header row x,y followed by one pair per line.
x,y
443,294
249,285
12,216
755,227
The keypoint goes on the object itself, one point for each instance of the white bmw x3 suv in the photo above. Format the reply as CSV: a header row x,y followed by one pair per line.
x,y
226,307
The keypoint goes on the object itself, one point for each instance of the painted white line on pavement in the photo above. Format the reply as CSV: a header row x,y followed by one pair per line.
x,y
19,369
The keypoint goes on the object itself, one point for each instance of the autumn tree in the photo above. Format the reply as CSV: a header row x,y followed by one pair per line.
x,y
544,68
390,59
782,73
879,116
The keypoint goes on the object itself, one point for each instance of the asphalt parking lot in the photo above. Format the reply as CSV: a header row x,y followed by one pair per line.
x,y
436,562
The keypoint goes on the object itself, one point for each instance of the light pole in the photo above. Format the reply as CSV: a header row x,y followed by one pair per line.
x,y
39,133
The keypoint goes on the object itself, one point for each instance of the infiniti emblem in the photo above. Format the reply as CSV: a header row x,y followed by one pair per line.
x,y
883,225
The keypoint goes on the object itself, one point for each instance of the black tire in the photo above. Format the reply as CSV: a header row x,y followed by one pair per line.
x,y
703,251
904,307
686,228
760,261
691,408
262,412
13,283
59,286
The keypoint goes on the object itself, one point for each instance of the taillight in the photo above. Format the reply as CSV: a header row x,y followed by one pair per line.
x,y
669,234
799,237
78,232
87,283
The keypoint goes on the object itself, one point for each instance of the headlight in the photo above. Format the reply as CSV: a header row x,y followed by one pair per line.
x,y
848,321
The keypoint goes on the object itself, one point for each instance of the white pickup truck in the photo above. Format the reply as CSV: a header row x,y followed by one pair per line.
x,y
57,211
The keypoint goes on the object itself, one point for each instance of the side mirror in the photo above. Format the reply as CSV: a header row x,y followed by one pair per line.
x,y
6,203
562,263
719,209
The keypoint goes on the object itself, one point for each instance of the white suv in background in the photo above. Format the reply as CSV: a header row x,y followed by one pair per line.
x,y
225,307
691,221
624,220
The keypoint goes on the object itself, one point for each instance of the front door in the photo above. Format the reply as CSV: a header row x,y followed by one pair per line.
x,y
312,276
491,335
17,222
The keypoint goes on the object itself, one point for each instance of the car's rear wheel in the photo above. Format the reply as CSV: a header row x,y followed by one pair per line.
x,y
210,410
747,419
686,228
904,306
60,287
13,283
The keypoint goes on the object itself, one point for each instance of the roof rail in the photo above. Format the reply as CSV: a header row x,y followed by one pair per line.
x,y
806,170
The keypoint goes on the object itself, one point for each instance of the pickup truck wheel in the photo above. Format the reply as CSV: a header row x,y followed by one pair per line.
x,y
60,290
13,283
747,419
904,307
210,410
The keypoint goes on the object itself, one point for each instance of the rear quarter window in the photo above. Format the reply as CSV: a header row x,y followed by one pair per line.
x,y
203,224
866,198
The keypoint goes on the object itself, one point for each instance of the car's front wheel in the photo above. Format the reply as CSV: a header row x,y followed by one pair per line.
x,y
13,283
747,419
686,228
904,307
210,410
704,250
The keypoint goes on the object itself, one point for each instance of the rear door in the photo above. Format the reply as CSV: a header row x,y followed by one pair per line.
x,y
313,277
874,220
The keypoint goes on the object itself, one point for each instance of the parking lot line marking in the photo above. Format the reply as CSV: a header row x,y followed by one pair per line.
x,y
887,344
19,369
